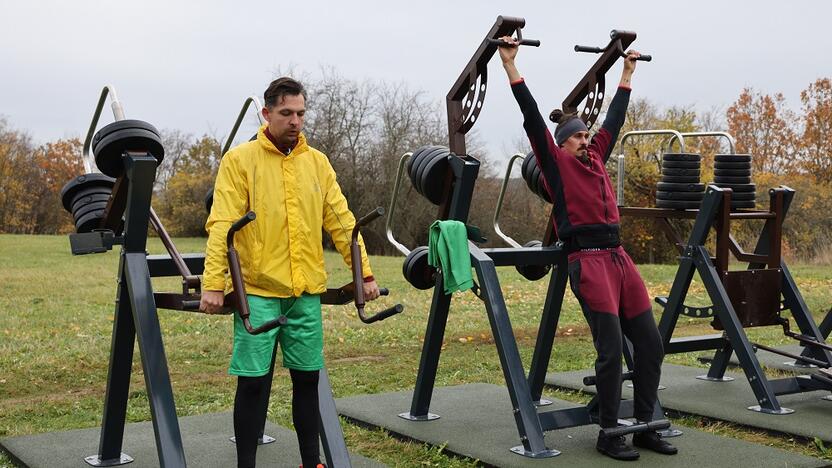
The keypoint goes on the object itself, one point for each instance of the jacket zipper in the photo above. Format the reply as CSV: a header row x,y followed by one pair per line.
x,y
604,198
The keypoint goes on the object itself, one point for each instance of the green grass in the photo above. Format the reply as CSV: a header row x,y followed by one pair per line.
x,y
56,315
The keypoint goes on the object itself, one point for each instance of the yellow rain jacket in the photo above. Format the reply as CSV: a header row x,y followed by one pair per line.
x,y
293,196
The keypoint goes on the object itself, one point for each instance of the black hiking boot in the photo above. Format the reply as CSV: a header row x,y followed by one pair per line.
x,y
615,447
651,440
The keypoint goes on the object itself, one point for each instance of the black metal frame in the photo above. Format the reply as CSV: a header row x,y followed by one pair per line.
x,y
459,183
136,318
695,257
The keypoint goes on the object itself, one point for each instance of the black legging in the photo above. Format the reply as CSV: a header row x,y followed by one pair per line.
x,y
251,404
648,353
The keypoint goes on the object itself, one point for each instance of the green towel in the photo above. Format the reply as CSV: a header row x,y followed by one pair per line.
x,y
448,250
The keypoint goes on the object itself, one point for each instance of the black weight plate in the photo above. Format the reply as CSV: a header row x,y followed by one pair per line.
x,y
680,164
681,157
732,165
419,167
669,187
528,162
680,195
743,196
678,204
209,200
89,221
680,172
538,187
433,177
83,182
86,200
732,172
732,180
739,187
533,272
534,180
83,210
414,159
743,204
680,179
108,144
732,157
416,270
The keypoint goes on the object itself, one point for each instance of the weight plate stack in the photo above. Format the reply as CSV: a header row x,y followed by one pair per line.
x,y
110,143
679,187
416,269
533,272
534,177
734,171
85,198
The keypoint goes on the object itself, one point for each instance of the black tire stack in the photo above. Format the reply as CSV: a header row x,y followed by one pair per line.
x,y
734,171
680,188
85,198
534,177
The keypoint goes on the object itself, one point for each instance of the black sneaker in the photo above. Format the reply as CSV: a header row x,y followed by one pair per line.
x,y
651,440
615,447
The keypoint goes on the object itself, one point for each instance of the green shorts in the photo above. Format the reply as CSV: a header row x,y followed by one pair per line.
x,y
301,339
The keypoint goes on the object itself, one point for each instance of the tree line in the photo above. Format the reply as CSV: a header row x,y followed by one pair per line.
x,y
366,126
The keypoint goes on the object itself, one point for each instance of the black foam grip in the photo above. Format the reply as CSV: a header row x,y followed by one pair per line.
x,y
396,309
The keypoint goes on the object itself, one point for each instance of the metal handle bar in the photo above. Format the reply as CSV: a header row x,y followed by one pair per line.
x,y
500,198
388,225
522,42
358,274
237,280
726,135
251,100
676,136
118,114
599,50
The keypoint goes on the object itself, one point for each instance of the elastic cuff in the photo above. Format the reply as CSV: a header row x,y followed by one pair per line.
x,y
625,87
369,279
518,81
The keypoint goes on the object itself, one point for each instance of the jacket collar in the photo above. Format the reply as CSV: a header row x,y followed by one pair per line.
x,y
267,144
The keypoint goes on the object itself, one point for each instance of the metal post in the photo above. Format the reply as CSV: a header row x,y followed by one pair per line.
x,y
548,328
332,436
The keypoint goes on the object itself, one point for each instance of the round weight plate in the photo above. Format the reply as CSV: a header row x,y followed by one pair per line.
x,y
415,158
680,164
732,172
743,204
732,180
89,221
534,180
533,272
680,172
418,166
678,204
680,179
525,168
668,187
732,165
83,182
113,140
87,199
743,196
416,270
680,195
433,177
83,210
739,187
681,157
732,157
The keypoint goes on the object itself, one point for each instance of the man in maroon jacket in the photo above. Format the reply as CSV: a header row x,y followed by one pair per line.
x,y
607,284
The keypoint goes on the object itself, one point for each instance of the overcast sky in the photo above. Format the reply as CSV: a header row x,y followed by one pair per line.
x,y
189,65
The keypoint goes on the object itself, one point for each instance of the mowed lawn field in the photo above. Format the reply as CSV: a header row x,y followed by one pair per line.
x,y
56,316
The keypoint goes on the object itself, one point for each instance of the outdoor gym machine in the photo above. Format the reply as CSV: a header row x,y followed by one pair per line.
x,y
128,152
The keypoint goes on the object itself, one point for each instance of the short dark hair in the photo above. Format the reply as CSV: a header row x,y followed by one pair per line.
x,y
281,87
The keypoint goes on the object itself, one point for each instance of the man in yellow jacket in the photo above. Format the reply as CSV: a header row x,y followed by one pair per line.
x,y
292,189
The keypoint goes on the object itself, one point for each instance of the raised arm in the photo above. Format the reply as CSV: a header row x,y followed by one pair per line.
x,y
618,108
